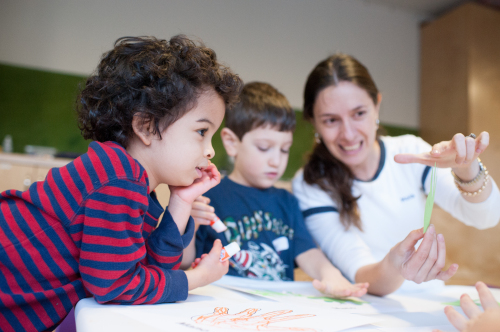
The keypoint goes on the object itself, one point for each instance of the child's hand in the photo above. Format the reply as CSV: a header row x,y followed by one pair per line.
x,y
479,321
201,212
340,287
210,177
197,261
209,268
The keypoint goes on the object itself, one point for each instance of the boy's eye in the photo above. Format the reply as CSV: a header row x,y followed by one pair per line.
x,y
285,151
202,131
263,149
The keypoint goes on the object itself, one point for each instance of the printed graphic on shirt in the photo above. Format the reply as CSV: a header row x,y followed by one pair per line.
x,y
259,262
248,228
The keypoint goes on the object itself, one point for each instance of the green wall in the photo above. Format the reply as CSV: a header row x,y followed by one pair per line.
x,y
38,108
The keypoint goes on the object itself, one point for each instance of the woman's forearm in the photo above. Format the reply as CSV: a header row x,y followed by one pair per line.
x,y
382,276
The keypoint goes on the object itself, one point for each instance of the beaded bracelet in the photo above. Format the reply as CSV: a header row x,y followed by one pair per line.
x,y
467,193
482,169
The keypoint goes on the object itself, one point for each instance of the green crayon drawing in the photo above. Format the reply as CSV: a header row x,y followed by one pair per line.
x,y
457,303
324,298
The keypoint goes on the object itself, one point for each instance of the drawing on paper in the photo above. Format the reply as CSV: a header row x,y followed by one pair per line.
x,y
457,303
324,298
248,321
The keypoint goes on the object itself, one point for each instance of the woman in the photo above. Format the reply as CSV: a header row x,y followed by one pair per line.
x,y
358,198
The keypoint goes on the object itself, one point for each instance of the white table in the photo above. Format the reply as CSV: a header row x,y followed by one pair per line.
x,y
277,306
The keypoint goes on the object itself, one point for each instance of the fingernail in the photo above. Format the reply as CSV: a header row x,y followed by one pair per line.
x,y
440,237
435,151
478,150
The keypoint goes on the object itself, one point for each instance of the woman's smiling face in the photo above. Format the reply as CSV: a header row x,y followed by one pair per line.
x,y
345,117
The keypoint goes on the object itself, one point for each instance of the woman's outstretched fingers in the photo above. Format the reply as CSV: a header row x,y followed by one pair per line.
x,y
418,258
425,270
458,142
441,258
445,275
457,320
485,296
470,152
482,142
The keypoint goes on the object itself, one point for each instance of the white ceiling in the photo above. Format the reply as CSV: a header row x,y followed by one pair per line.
x,y
422,7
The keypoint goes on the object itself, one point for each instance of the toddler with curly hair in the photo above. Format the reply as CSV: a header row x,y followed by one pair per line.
x,y
91,227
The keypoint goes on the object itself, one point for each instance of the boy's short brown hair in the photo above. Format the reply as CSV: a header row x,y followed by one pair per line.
x,y
260,105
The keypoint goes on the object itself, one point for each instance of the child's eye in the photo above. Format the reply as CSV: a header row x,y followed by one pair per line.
x,y
285,151
263,149
202,132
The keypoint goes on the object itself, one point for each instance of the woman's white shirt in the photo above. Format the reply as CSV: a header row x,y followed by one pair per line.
x,y
391,206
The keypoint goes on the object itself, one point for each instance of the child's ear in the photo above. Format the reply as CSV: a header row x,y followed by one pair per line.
x,y
230,140
142,129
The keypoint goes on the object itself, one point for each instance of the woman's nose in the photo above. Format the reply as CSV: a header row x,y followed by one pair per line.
x,y
348,130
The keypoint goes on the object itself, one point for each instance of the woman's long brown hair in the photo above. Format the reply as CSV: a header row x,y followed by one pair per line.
x,y
322,168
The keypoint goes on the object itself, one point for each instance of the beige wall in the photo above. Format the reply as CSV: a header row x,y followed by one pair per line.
x,y
460,92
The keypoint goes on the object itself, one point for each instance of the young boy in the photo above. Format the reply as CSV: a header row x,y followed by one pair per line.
x,y
89,229
265,221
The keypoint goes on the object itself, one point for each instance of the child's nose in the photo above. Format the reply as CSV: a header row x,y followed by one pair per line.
x,y
210,152
275,159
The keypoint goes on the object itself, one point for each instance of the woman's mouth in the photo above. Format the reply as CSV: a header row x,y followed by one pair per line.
x,y
351,148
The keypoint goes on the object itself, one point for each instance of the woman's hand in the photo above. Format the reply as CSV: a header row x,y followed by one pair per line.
x,y
460,152
425,263
479,321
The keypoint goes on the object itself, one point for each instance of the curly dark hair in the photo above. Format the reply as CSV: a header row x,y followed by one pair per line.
x,y
158,80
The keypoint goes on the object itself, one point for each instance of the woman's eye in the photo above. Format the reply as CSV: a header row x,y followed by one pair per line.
x,y
285,151
263,149
202,132
329,121
360,113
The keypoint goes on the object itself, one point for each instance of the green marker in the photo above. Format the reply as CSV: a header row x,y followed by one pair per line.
x,y
429,203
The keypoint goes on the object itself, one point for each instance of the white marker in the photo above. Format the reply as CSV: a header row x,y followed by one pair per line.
x,y
218,225
228,251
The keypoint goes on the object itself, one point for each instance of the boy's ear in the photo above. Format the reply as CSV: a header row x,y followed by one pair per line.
x,y
142,129
230,140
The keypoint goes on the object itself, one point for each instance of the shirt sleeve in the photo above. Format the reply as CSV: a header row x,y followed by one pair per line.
x,y
115,264
345,249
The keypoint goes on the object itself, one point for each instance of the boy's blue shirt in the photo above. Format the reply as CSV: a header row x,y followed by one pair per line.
x,y
264,222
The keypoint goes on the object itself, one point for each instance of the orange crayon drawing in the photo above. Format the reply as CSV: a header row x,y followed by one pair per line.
x,y
247,321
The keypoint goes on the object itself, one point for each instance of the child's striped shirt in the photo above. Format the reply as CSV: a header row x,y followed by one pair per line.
x,y
87,230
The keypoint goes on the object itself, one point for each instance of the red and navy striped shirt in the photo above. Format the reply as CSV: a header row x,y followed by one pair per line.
x,y
89,229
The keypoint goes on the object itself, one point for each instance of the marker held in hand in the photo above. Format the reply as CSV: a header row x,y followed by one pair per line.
x,y
218,225
228,251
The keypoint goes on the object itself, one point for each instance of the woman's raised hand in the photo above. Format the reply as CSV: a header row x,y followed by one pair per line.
x,y
461,151
425,263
